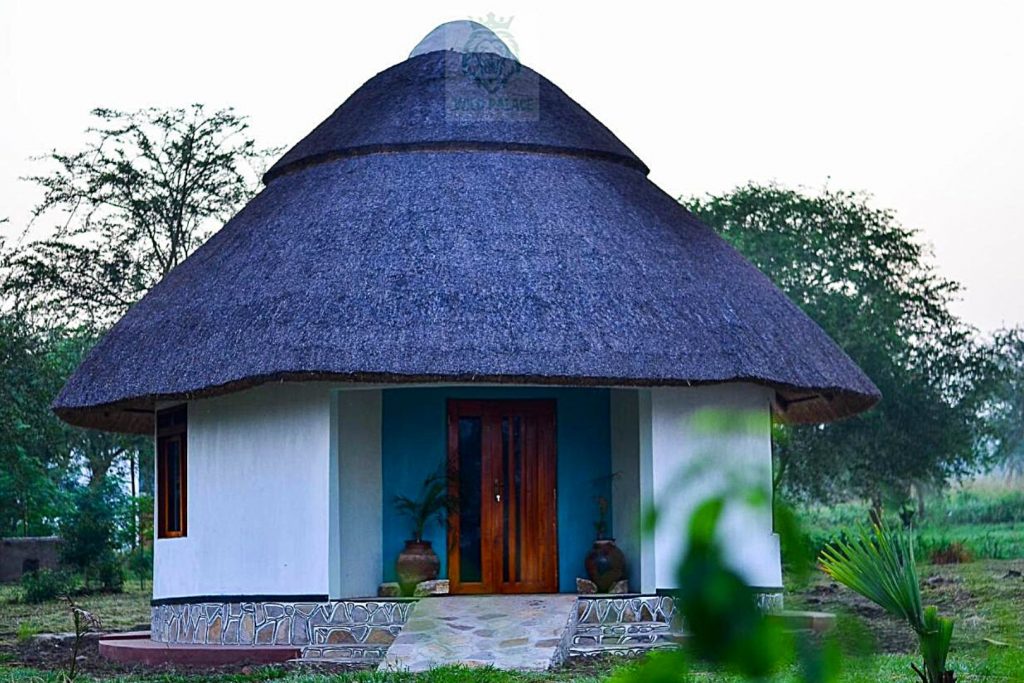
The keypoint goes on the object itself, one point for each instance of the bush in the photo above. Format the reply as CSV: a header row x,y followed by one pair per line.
x,y
140,562
88,534
951,553
110,573
26,631
44,584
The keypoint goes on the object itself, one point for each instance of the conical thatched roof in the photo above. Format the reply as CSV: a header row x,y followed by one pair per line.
x,y
405,240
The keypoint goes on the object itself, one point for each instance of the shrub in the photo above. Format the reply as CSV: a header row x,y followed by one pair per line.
x,y
110,573
26,631
140,562
88,533
45,584
951,553
879,565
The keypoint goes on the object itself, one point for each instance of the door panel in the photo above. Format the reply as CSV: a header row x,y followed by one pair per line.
x,y
503,532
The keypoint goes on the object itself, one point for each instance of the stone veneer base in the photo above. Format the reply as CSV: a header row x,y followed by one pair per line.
x,y
360,624
362,630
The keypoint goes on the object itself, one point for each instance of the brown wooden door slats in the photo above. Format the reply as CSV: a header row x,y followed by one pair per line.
x,y
518,544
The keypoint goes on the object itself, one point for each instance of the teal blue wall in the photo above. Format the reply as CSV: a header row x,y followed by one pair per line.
x,y
413,446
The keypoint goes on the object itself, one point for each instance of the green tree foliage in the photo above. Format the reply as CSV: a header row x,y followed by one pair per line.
x,y
89,533
868,282
1005,410
146,190
34,458
39,455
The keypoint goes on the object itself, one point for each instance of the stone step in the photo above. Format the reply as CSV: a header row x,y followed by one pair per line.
x,y
514,632
632,650
344,654
625,634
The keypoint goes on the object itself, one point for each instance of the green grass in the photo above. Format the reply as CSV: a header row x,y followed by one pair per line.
x,y
118,611
1003,541
985,516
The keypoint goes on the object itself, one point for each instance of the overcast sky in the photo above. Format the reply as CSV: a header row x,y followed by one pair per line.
x,y
920,104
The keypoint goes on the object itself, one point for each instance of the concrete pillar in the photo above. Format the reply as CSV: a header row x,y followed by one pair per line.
x,y
632,491
356,524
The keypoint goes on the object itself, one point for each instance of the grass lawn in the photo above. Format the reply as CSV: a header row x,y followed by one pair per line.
x,y
118,611
986,597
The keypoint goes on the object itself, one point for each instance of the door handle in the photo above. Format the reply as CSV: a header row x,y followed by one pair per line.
x,y
497,490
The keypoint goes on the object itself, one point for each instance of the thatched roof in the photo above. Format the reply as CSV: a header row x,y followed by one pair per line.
x,y
398,243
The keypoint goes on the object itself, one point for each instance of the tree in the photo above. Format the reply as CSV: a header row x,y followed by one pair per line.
x,y
93,452
41,457
867,281
147,189
33,459
1005,411
89,534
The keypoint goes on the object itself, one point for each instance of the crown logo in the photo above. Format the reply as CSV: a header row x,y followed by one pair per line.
x,y
500,26
494,23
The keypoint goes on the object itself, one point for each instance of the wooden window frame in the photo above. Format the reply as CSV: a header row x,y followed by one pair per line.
x,y
172,426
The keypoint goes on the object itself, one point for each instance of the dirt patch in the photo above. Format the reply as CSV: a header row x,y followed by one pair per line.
x,y
941,586
53,651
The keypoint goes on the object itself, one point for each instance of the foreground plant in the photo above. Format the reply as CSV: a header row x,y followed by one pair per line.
x,y
879,564
84,622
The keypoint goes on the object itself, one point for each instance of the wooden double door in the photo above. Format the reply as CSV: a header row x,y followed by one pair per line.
x,y
502,530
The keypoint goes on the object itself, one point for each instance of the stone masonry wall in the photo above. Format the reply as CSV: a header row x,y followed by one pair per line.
x,y
362,630
343,622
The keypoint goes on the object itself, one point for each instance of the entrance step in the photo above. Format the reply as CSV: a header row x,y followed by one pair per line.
x,y
344,654
152,653
520,632
633,650
637,633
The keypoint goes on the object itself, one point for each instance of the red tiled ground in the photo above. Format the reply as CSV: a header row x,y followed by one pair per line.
x,y
137,648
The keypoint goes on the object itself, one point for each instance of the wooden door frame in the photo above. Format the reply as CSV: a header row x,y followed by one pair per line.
x,y
491,523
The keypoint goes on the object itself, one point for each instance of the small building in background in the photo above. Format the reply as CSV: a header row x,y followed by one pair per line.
x,y
20,556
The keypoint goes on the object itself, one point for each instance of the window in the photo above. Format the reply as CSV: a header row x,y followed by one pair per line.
x,y
171,472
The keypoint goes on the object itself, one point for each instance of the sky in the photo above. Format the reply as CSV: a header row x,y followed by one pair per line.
x,y
919,104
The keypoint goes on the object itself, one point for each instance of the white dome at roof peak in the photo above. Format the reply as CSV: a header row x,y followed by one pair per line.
x,y
462,36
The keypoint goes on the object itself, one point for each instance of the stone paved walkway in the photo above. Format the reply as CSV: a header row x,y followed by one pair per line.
x,y
520,632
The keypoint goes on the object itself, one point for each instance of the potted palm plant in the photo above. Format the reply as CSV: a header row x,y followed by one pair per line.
x,y
879,564
418,562
605,563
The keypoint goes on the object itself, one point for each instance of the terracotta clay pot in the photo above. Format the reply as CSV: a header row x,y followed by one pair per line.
x,y
605,564
416,563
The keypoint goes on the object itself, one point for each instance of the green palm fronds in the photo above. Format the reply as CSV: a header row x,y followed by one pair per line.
x,y
434,500
879,564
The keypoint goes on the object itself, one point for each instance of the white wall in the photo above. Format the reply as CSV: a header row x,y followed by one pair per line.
x,y
691,462
258,496
356,547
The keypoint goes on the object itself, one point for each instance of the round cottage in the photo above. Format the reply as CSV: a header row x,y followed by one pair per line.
x,y
459,265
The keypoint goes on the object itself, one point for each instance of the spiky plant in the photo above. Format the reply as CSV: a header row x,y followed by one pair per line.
x,y
879,564
434,499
